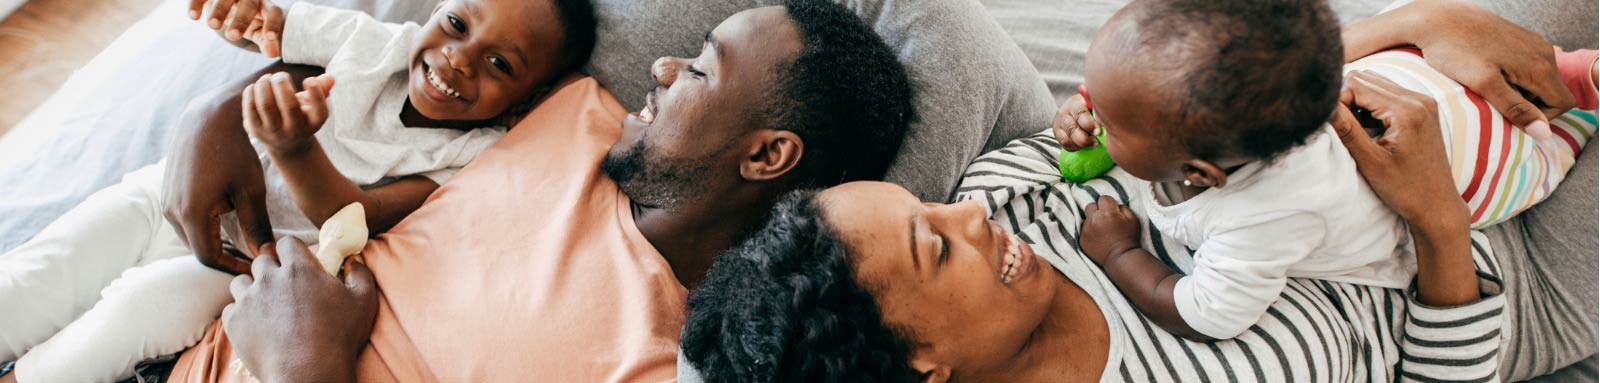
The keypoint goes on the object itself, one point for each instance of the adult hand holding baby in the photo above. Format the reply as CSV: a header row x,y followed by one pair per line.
x,y
293,322
257,21
284,120
1513,68
1408,169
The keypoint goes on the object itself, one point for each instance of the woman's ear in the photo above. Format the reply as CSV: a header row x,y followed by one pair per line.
x,y
772,154
930,372
1202,173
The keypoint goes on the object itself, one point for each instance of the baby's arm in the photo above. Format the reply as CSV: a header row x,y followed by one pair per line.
x,y
1110,237
1223,295
286,122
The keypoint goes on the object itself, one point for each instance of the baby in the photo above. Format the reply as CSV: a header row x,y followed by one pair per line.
x,y
412,105
1223,106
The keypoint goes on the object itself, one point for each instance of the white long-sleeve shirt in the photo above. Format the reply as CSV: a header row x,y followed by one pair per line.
x,y
1307,214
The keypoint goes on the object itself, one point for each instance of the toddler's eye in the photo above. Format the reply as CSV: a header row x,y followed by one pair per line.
x,y
456,24
500,63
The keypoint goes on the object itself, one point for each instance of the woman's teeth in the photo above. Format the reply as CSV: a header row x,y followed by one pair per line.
x,y
433,78
1012,261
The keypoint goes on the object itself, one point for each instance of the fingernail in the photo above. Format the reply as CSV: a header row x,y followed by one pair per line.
x,y
214,23
194,15
233,34
1538,129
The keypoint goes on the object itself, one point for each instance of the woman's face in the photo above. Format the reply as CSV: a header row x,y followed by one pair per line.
x,y
970,294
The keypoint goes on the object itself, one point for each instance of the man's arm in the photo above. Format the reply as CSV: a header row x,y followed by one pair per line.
x,y
211,170
293,322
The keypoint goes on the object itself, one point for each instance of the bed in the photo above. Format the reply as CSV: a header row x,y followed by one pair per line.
x,y
116,113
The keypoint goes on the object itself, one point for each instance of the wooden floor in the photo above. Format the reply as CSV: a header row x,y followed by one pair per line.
x,y
44,41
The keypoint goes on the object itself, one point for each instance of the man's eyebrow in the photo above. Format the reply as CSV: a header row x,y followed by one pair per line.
x,y
915,259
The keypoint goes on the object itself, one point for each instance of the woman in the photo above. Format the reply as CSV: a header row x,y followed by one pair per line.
x,y
865,283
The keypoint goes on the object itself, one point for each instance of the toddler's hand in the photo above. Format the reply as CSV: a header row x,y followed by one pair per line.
x,y
1109,229
259,22
1073,126
282,119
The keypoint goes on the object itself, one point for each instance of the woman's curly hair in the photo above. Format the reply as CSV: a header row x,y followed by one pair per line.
x,y
784,306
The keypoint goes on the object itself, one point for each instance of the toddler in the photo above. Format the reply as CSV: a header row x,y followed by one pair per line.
x,y
1223,106
412,105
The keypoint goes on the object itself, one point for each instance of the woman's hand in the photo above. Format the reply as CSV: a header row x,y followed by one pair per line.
x,y
1407,168
1109,229
1513,68
293,322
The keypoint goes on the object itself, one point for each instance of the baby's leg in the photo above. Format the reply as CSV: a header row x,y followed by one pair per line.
x,y
58,274
153,310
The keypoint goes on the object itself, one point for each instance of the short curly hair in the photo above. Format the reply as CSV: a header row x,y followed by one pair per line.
x,y
846,95
1259,76
784,306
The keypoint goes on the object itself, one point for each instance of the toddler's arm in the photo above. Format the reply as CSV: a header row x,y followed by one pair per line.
x,y
1224,295
286,122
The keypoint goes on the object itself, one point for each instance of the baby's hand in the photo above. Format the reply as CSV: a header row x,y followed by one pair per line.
x,y
260,22
1073,126
1109,229
282,119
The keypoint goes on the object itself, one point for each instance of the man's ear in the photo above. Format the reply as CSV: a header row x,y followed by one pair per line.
x,y
930,372
771,154
1202,173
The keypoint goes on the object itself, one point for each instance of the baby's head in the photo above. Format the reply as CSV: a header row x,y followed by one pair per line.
x,y
479,59
1186,89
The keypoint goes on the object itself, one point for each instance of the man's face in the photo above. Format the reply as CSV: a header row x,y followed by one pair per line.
x,y
686,140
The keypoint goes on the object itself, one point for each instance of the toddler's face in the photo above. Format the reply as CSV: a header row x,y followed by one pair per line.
x,y
1133,106
476,58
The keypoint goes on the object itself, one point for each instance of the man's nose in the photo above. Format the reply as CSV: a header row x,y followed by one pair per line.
x,y
665,70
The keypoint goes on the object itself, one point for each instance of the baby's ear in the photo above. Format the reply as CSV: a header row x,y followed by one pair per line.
x,y
1203,173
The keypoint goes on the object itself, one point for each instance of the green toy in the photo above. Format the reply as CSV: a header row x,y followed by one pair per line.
x,y
1088,163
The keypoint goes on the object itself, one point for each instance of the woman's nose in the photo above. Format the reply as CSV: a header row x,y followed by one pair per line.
x,y
665,70
968,215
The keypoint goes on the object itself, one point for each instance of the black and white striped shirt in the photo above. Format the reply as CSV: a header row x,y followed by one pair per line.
x,y
1317,331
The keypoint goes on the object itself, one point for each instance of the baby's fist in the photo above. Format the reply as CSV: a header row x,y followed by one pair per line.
x,y
1109,229
1073,126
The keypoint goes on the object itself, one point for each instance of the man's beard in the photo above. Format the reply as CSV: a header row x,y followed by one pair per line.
x,y
655,182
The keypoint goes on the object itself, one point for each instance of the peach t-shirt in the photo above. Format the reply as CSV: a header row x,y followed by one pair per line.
x,y
525,266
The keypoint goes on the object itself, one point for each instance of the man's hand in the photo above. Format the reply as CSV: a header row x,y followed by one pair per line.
x,y
212,170
283,120
257,21
294,322
1074,127
1109,229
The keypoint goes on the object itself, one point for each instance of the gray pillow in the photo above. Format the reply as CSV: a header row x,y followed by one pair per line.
x,y
975,88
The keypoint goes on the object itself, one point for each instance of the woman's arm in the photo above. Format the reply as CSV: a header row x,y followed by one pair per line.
x,y
1408,169
1513,68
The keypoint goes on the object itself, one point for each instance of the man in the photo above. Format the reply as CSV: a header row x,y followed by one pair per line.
x,y
766,108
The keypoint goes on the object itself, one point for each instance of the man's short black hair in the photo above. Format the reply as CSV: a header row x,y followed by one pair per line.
x,y
846,96
784,306
578,24
1258,77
